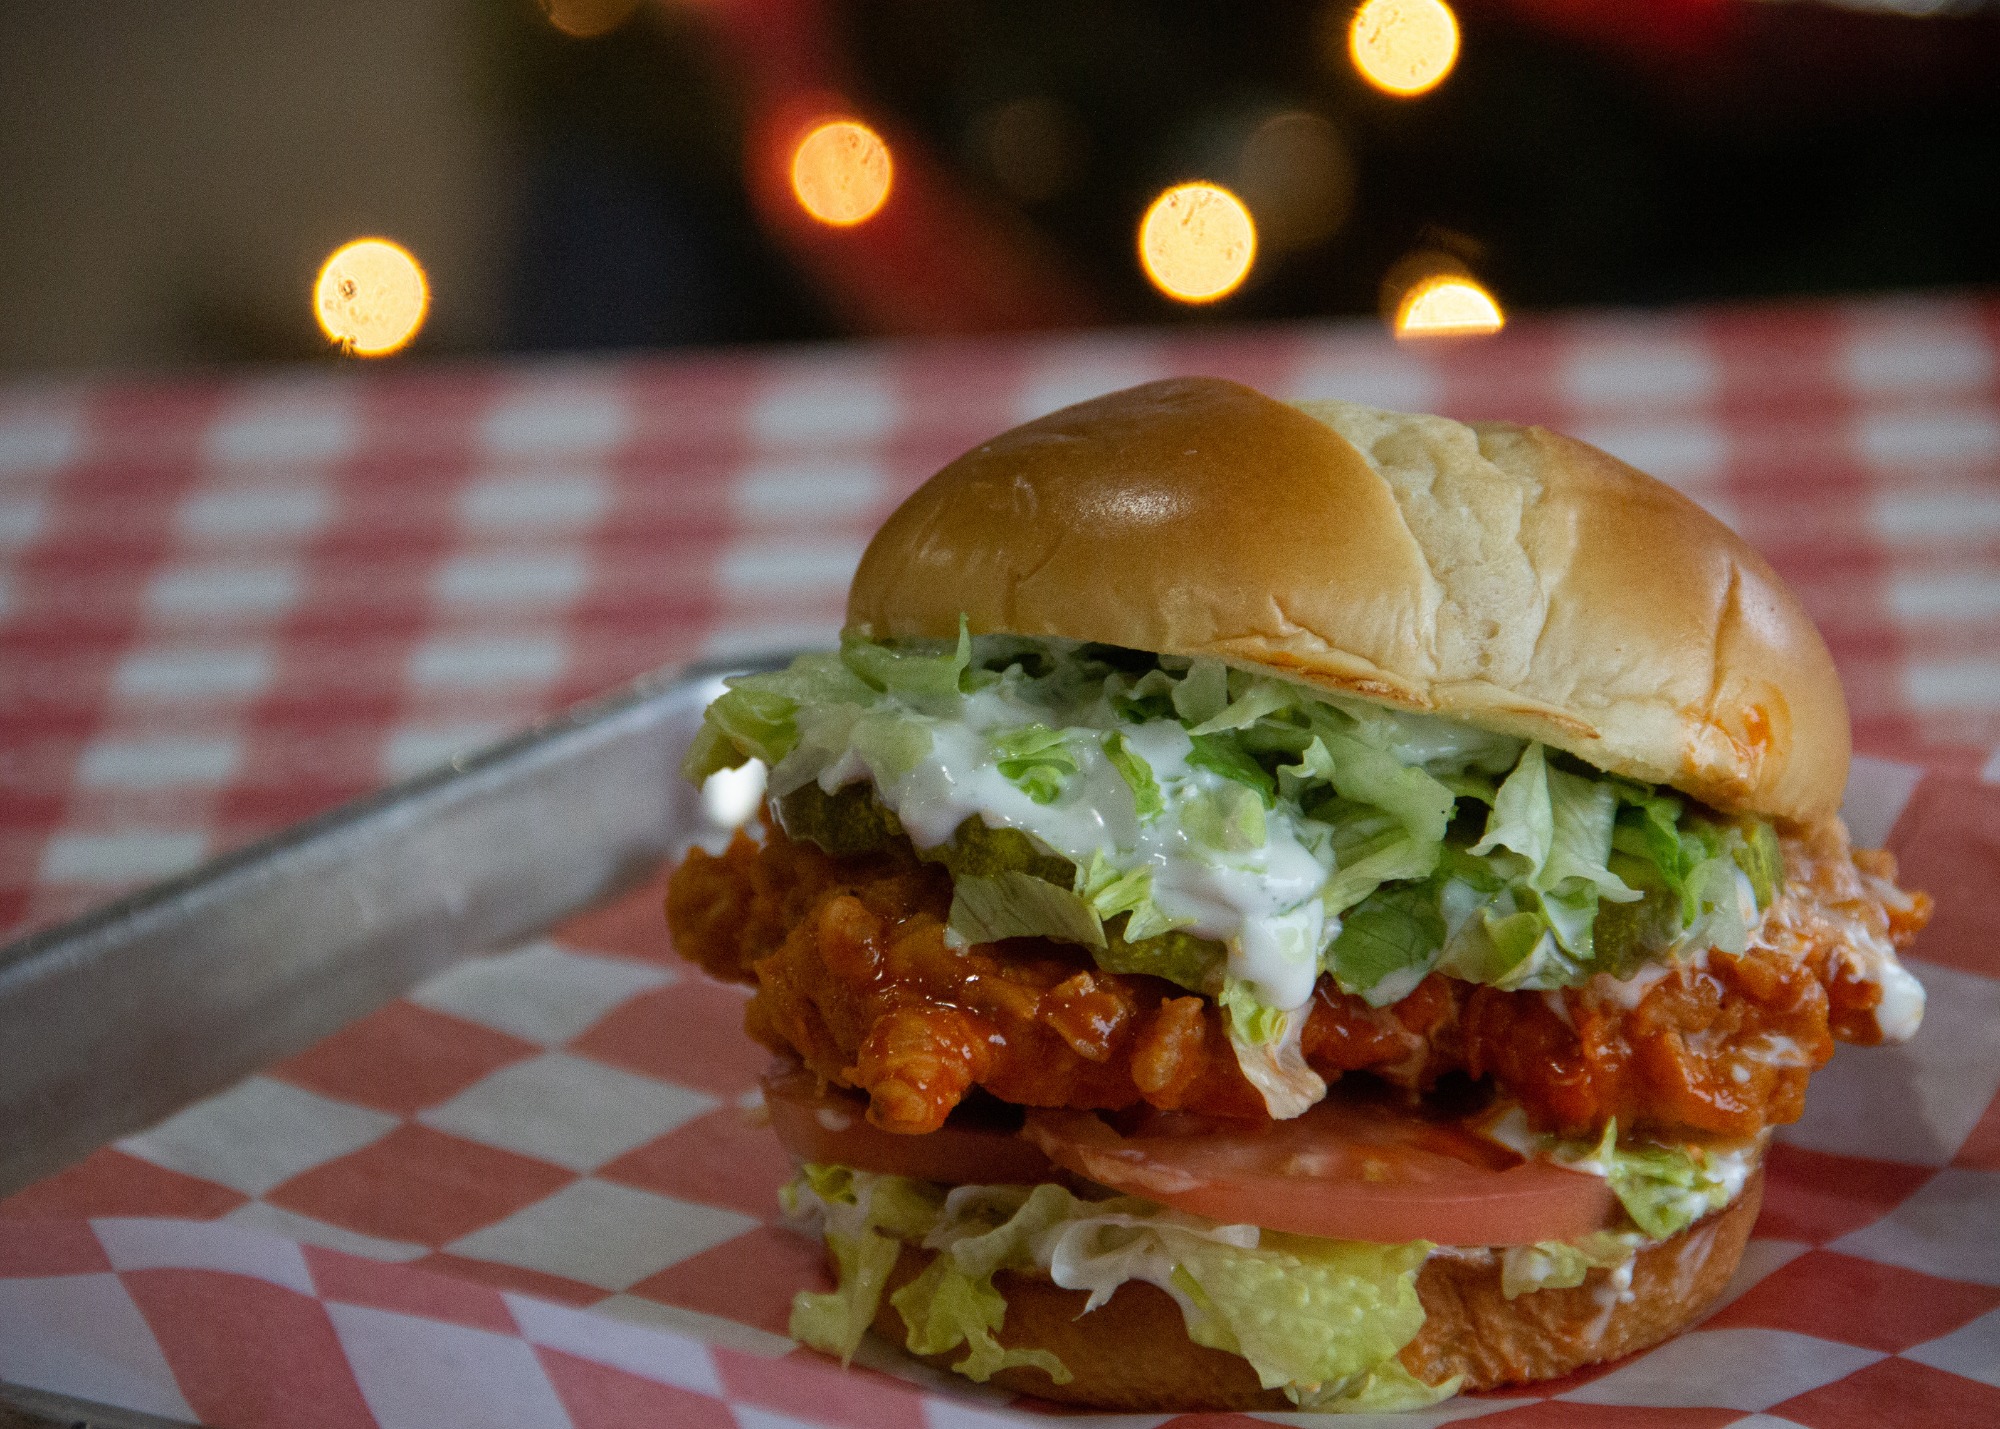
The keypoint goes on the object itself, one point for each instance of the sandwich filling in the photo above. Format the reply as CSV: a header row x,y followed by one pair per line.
x,y
1157,894
1085,877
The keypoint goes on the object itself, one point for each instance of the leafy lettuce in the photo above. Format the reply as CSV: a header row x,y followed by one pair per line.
x,y
1440,847
1323,1320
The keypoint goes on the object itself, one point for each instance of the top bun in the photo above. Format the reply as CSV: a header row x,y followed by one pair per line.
x,y
1508,576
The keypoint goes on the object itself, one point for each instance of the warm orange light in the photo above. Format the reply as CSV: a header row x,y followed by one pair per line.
x,y
588,18
1404,47
1448,306
1197,242
371,297
841,172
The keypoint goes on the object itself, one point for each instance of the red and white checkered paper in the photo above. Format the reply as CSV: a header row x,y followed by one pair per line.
x,y
529,1194
229,604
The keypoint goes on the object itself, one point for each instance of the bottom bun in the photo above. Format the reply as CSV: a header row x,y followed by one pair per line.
x,y
1133,1353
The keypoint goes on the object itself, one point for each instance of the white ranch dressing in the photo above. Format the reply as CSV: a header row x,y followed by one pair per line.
x,y
1261,903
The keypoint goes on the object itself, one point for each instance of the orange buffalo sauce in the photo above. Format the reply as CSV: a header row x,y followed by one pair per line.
x,y
854,976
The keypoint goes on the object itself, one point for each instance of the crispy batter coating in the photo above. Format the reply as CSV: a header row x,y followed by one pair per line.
x,y
854,976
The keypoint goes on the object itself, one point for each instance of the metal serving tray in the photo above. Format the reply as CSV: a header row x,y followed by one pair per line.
x,y
126,1015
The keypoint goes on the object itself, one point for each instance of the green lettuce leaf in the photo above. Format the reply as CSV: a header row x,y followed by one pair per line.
x,y
919,671
1366,775
1113,891
1228,818
1249,1019
1202,693
1147,801
985,909
1225,754
1664,1189
1321,1319
944,1308
1037,759
1387,945
1563,1265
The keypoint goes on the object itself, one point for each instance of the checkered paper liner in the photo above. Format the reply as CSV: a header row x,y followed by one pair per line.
x,y
229,604
530,1193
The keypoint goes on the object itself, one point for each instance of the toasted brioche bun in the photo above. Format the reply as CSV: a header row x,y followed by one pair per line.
x,y
1132,1353
1508,576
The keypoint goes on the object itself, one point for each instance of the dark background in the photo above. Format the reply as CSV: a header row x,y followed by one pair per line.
x,y
170,176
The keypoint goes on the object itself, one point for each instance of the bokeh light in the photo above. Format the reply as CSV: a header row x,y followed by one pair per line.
x,y
586,19
1197,242
1448,305
841,172
1404,47
371,297
1297,176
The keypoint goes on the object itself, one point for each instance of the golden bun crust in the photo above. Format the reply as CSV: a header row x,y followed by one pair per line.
x,y
1508,576
1132,1353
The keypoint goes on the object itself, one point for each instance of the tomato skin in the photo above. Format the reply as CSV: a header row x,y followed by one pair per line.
x,y
1341,1172
828,1125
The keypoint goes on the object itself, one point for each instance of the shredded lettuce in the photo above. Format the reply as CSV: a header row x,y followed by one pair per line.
x,y
1323,1320
1249,1019
1036,758
1564,1265
1147,802
1422,843
1663,1188
985,909
1666,1189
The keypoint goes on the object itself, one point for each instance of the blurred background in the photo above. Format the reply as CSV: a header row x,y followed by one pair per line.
x,y
615,174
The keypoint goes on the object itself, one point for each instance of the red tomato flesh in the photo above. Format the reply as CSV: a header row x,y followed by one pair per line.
x,y
1343,1171
829,1125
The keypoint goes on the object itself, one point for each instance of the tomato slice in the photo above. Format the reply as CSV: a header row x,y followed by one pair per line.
x,y
1344,1170
832,1126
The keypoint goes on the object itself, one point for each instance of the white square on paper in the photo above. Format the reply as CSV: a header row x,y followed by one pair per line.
x,y
511,578
567,1110
418,1373
802,490
193,673
1971,1350
235,513
551,419
1656,370
160,762
539,992
221,590
129,857
609,1236
787,568
816,404
82,1335
1373,373
1949,1226
564,499
1918,1101
1735,1369
259,1134
477,662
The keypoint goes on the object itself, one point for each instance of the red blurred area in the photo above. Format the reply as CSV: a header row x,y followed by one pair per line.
x,y
934,259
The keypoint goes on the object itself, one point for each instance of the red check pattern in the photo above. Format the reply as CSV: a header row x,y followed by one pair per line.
x,y
530,1192
533,1192
229,604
